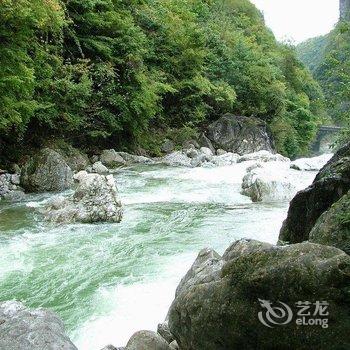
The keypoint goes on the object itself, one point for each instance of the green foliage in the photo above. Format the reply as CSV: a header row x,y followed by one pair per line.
x,y
329,59
334,73
312,51
103,72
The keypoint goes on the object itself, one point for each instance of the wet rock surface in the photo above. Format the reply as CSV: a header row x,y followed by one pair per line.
x,y
25,329
222,312
331,183
239,134
47,171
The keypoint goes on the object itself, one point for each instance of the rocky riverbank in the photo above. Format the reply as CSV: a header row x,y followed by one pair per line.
x,y
217,301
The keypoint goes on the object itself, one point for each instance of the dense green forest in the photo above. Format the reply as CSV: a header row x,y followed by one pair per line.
x,y
118,73
328,58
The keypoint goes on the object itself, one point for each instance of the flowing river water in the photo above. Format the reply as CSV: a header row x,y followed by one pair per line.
x,y
108,280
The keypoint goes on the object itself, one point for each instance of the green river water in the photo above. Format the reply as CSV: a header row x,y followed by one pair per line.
x,y
108,280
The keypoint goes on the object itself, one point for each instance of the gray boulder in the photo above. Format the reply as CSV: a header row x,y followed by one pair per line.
x,y
205,142
147,340
25,329
133,158
76,159
111,159
95,200
190,143
239,134
206,151
47,171
205,269
330,184
263,156
173,345
176,159
168,146
164,331
268,182
220,152
99,168
9,187
192,152
222,312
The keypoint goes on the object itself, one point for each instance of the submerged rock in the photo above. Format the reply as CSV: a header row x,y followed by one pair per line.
x,y
331,183
95,200
263,156
239,134
177,158
266,183
311,164
225,159
333,226
222,312
47,171
25,329
147,340
133,158
111,159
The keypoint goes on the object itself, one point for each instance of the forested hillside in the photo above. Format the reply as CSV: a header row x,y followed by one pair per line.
x,y
312,51
106,72
328,58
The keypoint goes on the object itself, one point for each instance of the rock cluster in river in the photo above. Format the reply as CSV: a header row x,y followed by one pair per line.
x,y
10,188
95,199
217,302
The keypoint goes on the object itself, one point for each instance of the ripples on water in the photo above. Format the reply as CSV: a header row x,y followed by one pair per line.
x,y
108,280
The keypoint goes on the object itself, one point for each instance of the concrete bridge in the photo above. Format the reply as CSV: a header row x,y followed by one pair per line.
x,y
326,136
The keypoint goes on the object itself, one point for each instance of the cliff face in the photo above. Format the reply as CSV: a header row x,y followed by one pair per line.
x,y
344,7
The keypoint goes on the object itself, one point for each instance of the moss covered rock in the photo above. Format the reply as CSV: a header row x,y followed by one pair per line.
x,y
222,313
331,183
333,226
47,171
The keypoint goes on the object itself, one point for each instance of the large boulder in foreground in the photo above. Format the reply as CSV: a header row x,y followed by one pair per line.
x,y
239,134
333,226
222,313
47,171
95,200
331,183
25,329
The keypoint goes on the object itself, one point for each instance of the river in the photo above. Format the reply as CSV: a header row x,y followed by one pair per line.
x,y
108,280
